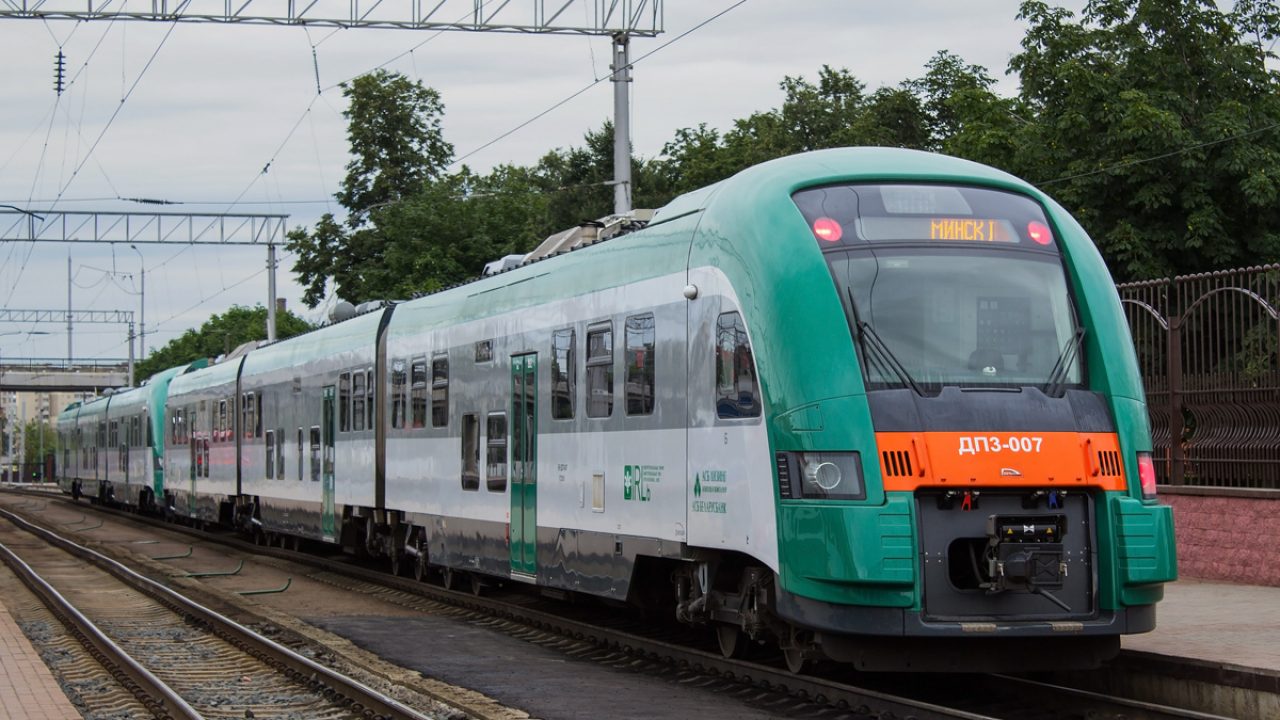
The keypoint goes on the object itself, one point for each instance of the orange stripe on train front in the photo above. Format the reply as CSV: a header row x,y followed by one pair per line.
x,y
1000,459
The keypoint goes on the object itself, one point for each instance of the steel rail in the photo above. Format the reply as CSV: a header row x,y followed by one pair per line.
x,y
360,695
151,691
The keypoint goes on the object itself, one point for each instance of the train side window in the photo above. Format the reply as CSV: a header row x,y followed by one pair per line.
x,y
357,401
563,373
207,463
300,465
344,402
496,453
368,399
641,339
222,420
418,383
280,453
315,452
470,452
271,454
397,393
440,392
737,387
248,415
257,425
600,372
151,441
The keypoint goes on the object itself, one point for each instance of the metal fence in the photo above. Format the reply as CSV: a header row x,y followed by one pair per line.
x,y
1207,347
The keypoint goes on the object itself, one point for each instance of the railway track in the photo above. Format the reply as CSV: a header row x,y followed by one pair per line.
x,y
176,658
831,691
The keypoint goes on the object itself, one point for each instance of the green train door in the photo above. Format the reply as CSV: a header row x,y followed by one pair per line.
x,y
328,525
524,463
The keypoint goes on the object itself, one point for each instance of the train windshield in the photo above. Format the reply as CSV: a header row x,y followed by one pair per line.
x,y
948,286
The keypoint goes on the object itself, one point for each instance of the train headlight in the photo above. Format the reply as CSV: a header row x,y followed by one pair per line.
x,y
830,475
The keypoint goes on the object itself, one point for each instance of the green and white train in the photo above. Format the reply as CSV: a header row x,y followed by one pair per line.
x,y
874,405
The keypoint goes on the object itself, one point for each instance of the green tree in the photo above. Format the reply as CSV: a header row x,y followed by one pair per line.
x,y
1156,124
397,148
37,437
217,335
834,111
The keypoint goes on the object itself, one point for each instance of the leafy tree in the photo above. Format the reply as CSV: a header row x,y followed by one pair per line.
x,y
37,436
394,127
835,111
1155,123
218,335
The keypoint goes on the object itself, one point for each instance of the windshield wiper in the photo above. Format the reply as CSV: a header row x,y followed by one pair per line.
x,y
1058,376
871,340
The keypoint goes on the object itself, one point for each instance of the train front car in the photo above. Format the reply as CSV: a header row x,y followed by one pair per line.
x,y
956,425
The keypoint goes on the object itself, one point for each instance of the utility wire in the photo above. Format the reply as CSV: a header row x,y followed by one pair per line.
x,y
597,81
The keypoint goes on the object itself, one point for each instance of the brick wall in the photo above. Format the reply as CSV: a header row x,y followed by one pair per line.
x,y
1226,534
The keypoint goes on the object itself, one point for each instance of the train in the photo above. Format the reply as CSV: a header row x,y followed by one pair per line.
x,y
866,405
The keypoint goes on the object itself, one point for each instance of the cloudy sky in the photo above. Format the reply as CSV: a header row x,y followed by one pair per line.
x,y
192,113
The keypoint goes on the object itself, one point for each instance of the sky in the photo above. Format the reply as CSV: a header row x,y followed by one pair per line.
x,y
194,113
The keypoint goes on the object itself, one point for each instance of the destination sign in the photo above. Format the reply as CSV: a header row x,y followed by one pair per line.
x,y
992,230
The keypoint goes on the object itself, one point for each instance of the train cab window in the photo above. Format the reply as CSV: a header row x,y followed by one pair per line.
x,y
397,393
418,390
315,452
440,392
496,453
357,401
299,454
600,372
737,388
135,431
271,454
344,402
368,399
563,373
470,452
640,361
146,422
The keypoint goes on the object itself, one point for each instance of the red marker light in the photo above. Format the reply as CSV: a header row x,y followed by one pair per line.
x,y
1147,474
827,229
1039,232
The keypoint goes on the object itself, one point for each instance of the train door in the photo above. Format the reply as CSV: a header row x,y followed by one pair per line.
x,y
328,524
524,463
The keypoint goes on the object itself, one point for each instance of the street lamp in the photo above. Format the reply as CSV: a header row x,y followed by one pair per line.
x,y
142,320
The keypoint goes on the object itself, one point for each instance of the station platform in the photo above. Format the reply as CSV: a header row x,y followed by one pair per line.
x,y
28,690
1234,625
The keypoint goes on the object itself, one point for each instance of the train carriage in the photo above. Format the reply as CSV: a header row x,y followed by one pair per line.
x,y
69,441
201,457
128,469
307,433
517,405
91,433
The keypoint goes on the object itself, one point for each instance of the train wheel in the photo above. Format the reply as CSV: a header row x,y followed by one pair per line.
x,y
477,585
451,578
794,658
420,567
731,639
397,561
